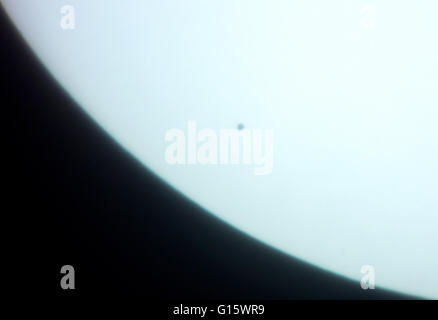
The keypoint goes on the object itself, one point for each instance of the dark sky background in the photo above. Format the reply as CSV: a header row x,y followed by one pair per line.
x,y
80,199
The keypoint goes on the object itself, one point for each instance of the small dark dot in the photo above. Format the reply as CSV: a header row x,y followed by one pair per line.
x,y
240,126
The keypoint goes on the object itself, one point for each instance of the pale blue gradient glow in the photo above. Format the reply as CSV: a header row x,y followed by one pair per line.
x,y
354,113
